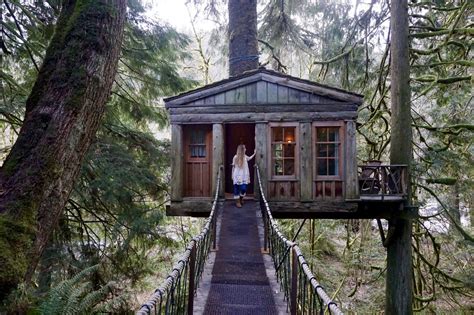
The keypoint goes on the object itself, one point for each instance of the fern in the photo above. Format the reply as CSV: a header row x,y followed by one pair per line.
x,y
75,295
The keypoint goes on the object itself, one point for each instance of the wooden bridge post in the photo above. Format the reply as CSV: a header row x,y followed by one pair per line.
x,y
192,270
294,281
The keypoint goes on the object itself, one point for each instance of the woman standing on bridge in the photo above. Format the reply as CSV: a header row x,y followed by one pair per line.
x,y
241,174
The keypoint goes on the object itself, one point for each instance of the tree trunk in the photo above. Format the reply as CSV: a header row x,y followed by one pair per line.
x,y
243,45
63,113
399,282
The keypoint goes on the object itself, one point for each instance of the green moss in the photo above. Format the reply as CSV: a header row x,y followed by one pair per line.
x,y
16,237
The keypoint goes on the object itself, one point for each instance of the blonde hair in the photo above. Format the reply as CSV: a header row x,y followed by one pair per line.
x,y
240,155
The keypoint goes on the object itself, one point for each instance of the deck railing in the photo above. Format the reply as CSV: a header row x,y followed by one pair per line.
x,y
176,294
301,289
382,181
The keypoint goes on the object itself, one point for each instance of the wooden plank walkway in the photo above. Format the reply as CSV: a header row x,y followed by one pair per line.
x,y
239,283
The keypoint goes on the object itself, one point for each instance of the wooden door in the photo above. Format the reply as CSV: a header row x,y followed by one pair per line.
x,y
198,160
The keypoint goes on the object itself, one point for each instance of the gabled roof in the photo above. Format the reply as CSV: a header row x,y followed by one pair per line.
x,y
262,74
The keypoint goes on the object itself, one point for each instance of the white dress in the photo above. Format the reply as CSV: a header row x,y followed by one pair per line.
x,y
241,175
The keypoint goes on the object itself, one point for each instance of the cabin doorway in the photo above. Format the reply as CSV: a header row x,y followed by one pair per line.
x,y
198,160
236,134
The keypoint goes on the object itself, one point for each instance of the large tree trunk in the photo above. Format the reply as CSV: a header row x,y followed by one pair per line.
x,y
243,45
399,286
62,116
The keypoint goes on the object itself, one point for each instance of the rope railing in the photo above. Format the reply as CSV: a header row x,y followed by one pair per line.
x,y
176,294
301,289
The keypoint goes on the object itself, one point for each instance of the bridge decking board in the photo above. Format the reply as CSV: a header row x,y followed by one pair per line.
x,y
239,283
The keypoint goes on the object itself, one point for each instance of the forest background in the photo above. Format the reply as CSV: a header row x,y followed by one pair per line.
x,y
114,243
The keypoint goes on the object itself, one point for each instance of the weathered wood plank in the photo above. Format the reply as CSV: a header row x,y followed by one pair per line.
x,y
251,91
351,176
252,117
316,89
294,96
261,92
240,96
260,108
219,98
272,93
282,94
217,157
307,87
306,161
209,100
261,132
230,97
177,162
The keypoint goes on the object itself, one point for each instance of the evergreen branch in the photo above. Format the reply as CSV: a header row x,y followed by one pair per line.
x,y
457,31
465,234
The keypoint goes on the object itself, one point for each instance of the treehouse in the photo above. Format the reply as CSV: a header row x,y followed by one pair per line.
x,y
305,137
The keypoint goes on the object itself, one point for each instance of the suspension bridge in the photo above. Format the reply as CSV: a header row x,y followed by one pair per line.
x,y
240,280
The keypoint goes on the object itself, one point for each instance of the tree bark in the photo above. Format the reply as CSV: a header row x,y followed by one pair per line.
x,y
399,282
62,115
243,45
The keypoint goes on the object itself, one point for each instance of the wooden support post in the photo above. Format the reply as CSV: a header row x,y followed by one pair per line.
x,y
294,282
217,158
306,162
192,270
262,155
351,176
177,164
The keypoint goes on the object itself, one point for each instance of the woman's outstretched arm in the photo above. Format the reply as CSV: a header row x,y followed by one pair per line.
x,y
251,157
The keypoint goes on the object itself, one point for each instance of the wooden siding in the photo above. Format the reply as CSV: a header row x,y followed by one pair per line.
x,y
263,93
284,190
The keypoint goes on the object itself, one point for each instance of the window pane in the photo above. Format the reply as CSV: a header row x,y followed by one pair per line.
x,y
278,153
333,150
277,134
198,137
333,134
332,167
278,167
322,134
322,150
289,168
289,150
322,166
197,150
290,134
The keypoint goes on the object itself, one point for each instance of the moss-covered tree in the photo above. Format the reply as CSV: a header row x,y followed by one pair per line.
x,y
62,115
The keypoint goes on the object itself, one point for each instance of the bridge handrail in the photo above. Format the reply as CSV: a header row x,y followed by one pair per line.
x,y
298,269
175,294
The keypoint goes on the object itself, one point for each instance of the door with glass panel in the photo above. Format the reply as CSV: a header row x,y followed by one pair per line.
x,y
198,160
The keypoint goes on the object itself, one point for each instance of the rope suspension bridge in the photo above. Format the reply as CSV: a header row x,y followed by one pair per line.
x,y
239,283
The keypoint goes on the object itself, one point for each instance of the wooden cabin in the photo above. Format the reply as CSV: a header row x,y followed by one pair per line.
x,y
305,137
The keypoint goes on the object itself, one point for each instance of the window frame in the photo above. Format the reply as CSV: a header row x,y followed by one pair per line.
x,y
271,176
341,155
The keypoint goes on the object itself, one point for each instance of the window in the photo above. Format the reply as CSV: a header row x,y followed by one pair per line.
x,y
328,151
283,150
197,144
